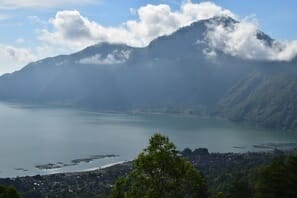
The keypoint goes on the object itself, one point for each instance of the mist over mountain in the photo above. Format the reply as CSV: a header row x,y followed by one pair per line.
x,y
183,71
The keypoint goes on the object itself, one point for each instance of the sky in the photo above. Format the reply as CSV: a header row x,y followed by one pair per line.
x,y
34,29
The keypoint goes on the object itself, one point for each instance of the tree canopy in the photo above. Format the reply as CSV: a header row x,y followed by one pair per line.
x,y
278,179
159,171
8,192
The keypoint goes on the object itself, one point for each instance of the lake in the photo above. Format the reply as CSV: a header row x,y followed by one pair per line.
x,y
57,136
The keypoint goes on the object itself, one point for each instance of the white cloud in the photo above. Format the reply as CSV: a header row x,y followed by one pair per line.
x,y
210,53
13,4
240,39
116,57
285,50
205,10
73,30
13,58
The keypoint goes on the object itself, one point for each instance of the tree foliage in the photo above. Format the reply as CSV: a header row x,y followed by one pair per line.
x,y
8,192
159,171
278,179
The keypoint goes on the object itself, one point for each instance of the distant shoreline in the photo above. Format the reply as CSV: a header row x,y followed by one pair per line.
x,y
57,168
98,181
264,149
186,111
100,168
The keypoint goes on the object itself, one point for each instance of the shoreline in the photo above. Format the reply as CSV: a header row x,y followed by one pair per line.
x,y
98,181
263,150
54,171
98,168
267,148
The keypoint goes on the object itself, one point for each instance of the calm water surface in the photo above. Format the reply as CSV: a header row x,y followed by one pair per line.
x,y
35,136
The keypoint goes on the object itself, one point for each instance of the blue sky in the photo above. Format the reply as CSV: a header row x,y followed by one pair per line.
x,y
31,29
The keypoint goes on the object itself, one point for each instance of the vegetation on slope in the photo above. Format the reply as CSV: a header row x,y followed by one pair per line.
x,y
265,100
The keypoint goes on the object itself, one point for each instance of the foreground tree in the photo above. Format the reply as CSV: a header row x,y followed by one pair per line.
x,y
8,192
159,171
278,179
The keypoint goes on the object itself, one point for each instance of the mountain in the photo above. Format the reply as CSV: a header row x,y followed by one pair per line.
x,y
266,98
173,73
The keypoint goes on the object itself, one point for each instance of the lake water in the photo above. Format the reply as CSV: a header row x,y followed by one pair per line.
x,y
38,136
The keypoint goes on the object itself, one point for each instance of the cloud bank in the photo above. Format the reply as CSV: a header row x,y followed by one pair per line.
x,y
116,57
14,56
72,29
244,39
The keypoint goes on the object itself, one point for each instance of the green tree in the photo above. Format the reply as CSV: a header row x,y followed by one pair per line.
x,y
292,176
159,171
8,192
278,179
219,195
240,187
272,180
